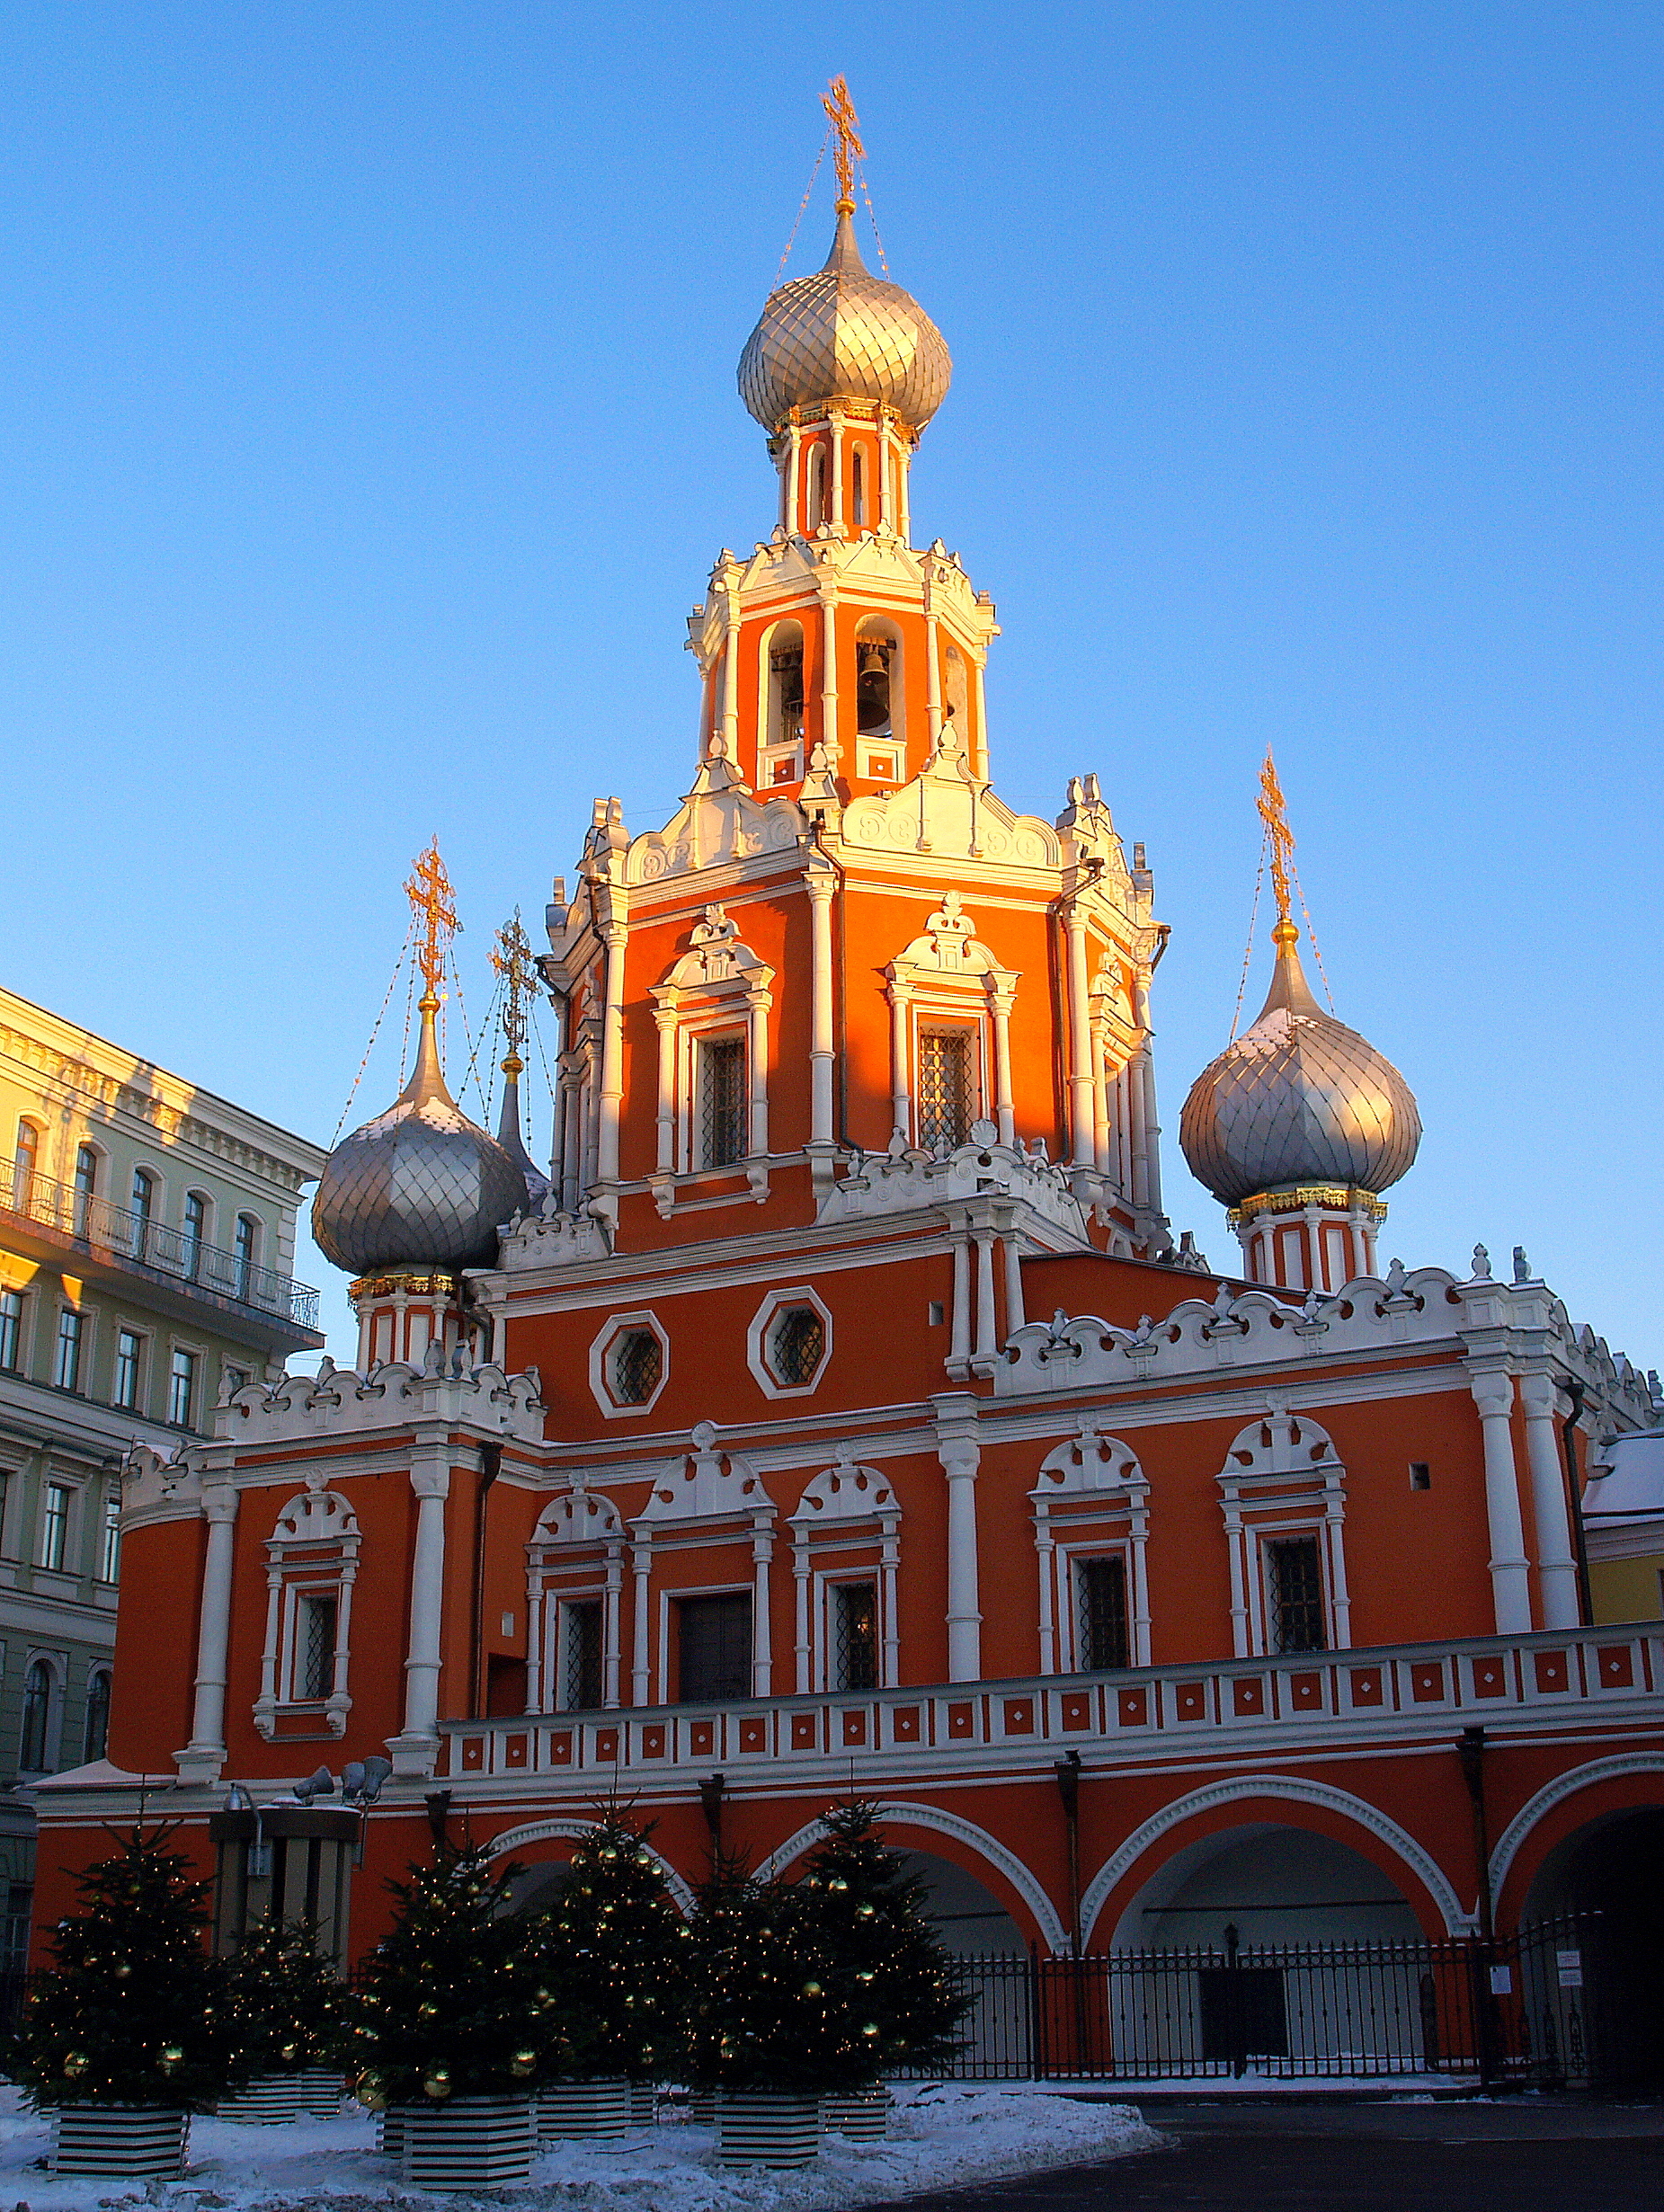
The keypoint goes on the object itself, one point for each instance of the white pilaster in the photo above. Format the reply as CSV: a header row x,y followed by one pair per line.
x,y
1510,1579
1557,1568
204,1756
961,1456
417,1748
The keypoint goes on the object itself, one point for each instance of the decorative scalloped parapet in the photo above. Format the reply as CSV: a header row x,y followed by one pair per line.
x,y
551,1238
1256,1329
707,1485
338,1401
902,1180
946,812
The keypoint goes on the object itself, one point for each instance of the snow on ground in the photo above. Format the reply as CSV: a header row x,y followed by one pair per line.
x,y
941,2135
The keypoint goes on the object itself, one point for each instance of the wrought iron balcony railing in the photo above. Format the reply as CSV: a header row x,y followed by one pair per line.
x,y
102,1227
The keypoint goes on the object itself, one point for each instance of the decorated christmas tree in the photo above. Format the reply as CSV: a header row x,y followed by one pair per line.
x,y
766,2013
286,2007
454,2001
883,1961
617,1954
130,2012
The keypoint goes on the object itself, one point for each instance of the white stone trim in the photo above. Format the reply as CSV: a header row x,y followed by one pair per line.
x,y
614,1327
546,1830
1295,1788
1564,1786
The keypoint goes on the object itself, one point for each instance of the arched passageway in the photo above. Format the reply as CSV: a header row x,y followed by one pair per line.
x,y
1613,1871
967,1914
1272,1884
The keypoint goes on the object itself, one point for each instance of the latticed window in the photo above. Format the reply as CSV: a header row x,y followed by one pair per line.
x,y
855,1636
314,1645
637,1364
581,1626
715,1639
1295,1590
796,1345
722,1101
1100,1598
945,1087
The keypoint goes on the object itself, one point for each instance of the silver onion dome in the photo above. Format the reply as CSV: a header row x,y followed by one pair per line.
x,y
843,333
1297,1100
420,1187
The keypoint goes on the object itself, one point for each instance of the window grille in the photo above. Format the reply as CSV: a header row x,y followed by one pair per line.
x,y
715,1639
1100,1598
796,1345
67,1366
722,1101
945,1114
182,1382
11,1328
54,1525
637,1364
1294,1586
315,1654
129,1351
582,1623
855,1636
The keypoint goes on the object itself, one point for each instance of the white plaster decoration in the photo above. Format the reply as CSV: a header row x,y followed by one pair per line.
x,y
578,1537
554,1237
826,585
1081,1119
641,1572
313,1551
203,1758
416,1749
604,1352
948,811
1294,1789
961,1456
1089,1481
847,1508
614,934
707,1485
820,882
965,1832
1557,1568
719,983
337,1401
948,970
904,1179
756,1341
690,1500
1282,1478
1506,1848
513,1840
1511,1574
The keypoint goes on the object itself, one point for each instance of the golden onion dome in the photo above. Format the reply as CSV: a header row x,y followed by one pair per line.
x,y
421,1187
843,333
1297,1100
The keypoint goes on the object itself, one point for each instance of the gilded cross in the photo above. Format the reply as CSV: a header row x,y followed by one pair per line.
x,y
512,961
1274,814
434,905
849,150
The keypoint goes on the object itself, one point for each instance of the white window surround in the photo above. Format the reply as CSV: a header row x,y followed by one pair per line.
x,y
601,1353
58,1672
950,973
757,1342
847,1509
576,1552
312,1552
710,1497
1095,1496
718,985
1282,1478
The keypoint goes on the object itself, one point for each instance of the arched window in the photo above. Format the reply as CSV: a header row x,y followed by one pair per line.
x,y
782,757
879,709
818,485
25,1162
34,1745
247,1255
196,1233
142,1206
857,486
311,1566
95,1738
86,1186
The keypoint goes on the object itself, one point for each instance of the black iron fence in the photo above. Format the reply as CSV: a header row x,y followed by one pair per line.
x,y
1522,2011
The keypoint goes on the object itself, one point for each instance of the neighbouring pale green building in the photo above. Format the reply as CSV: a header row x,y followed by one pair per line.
x,y
146,1244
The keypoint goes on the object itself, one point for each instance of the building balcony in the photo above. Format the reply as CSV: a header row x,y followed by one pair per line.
x,y
1246,1708
163,1266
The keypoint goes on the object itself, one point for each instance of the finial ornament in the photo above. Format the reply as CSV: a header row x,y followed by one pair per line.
x,y
512,959
1280,838
434,905
846,148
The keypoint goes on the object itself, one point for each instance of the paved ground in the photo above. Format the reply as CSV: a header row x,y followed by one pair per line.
x,y
1527,2154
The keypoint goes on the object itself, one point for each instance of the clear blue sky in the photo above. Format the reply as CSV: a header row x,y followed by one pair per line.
x,y
367,426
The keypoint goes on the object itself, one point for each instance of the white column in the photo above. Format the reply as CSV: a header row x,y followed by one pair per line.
x,y
819,883
641,1563
979,754
1236,1542
1138,1530
889,1570
903,487
1014,1314
731,680
205,1755
757,1069
987,1330
802,1650
611,1055
932,673
829,674
1557,1569
790,509
901,1094
666,1017
1004,1106
960,1457
762,1649
886,517
959,1339
416,1749
835,457
1047,1549
1079,1043
1510,1577
1147,1085
611,1648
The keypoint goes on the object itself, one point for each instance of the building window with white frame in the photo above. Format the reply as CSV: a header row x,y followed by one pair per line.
x,y
581,1654
35,1746
95,1731
143,1206
11,1330
1295,1607
56,1500
181,1387
196,1233
854,1626
110,1537
312,1564
129,1361
714,1647
721,1100
66,1356
1101,1638
247,1255
948,1102
87,1186
317,1615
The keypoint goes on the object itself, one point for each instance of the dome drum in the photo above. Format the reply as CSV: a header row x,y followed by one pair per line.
x,y
1322,1197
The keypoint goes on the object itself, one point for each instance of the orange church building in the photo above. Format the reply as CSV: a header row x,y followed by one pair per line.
x,y
838,1410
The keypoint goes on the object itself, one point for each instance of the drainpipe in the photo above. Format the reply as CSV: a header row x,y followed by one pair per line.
x,y
1471,1751
1067,1773
711,1794
491,1467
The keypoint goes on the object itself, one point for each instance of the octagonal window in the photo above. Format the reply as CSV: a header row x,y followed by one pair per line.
x,y
796,1345
636,1366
